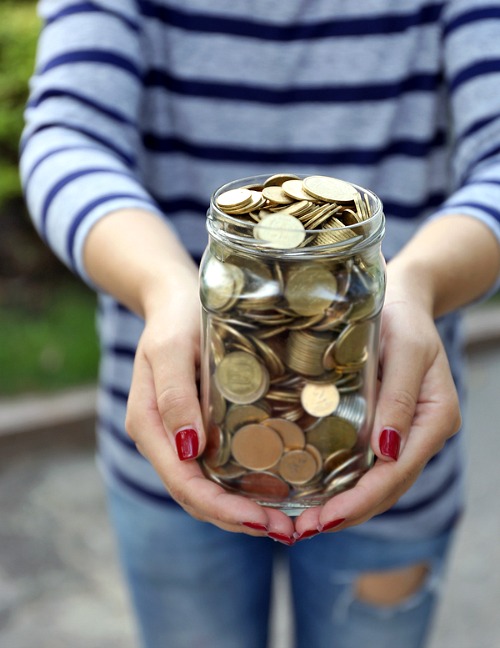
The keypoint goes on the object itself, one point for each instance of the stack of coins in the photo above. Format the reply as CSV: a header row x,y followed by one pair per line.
x,y
290,339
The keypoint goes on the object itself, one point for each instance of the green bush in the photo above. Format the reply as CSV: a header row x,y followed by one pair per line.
x,y
19,28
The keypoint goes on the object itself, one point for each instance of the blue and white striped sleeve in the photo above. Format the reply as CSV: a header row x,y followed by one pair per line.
x,y
80,142
471,47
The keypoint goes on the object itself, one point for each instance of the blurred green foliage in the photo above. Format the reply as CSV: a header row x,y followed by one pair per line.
x,y
51,342
47,330
19,28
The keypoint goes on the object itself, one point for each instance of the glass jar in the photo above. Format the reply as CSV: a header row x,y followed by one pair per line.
x,y
292,285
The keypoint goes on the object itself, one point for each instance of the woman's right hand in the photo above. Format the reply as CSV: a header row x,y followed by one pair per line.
x,y
164,417
136,257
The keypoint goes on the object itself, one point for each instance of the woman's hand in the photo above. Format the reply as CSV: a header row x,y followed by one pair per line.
x,y
417,412
164,417
164,420
135,256
449,262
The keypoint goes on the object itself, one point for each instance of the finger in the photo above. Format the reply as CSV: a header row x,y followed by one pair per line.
x,y
174,373
404,364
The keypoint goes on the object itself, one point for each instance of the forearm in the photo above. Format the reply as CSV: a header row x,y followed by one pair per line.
x,y
138,259
449,263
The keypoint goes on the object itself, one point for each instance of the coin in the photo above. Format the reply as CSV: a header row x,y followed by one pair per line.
x,y
310,289
297,467
342,482
241,378
295,189
276,195
280,231
234,198
330,189
293,437
239,415
319,399
264,485
352,343
332,433
313,450
279,178
305,350
221,285
256,446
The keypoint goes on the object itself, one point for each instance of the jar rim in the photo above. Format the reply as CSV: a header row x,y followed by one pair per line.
x,y
373,228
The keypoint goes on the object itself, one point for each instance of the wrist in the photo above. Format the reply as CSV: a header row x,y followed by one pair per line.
x,y
409,281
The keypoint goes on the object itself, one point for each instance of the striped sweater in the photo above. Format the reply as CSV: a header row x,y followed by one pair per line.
x,y
155,103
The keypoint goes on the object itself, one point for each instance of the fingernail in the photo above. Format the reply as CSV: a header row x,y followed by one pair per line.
x,y
256,526
187,444
331,525
281,537
308,533
390,442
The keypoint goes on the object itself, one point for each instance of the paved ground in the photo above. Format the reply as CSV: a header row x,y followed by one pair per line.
x,y
59,582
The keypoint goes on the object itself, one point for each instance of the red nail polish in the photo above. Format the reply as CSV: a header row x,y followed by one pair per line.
x,y
332,524
390,443
255,526
186,441
308,533
282,537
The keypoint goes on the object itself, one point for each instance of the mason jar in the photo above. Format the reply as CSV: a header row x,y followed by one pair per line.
x,y
292,285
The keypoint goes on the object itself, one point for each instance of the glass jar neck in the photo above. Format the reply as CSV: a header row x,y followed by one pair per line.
x,y
299,229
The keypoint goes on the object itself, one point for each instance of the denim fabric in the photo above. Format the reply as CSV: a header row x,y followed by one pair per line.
x,y
196,586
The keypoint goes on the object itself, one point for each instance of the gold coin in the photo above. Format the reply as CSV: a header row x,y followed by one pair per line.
x,y
239,415
337,459
329,189
332,433
298,209
221,285
271,358
295,189
343,482
319,399
228,472
341,466
276,195
352,343
280,231
256,202
234,198
265,486
241,378
297,467
279,178
310,289
314,452
291,434
304,352
256,446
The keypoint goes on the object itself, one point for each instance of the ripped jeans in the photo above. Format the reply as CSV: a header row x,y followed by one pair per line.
x,y
195,586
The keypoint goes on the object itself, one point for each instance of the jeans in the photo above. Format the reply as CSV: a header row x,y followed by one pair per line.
x,y
196,586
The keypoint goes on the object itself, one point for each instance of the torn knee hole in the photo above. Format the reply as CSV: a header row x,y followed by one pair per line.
x,y
392,586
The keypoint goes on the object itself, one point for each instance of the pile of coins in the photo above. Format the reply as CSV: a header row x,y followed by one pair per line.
x,y
290,344
285,208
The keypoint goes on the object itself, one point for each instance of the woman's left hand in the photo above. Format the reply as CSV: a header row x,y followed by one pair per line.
x,y
417,412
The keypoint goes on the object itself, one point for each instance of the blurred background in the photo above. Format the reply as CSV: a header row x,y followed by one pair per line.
x,y
59,579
